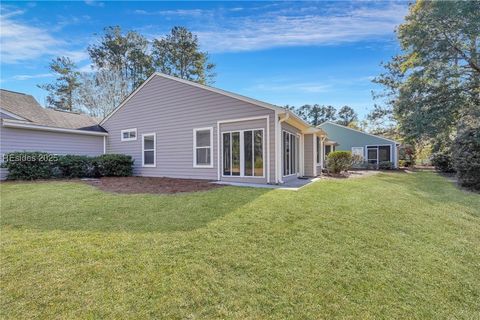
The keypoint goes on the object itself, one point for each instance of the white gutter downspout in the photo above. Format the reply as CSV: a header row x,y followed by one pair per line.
x,y
322,151
278,145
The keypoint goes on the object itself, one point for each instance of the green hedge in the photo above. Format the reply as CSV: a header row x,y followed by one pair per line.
x,y
442,161
41,165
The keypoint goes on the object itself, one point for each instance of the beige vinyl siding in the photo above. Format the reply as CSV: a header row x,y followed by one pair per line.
x,y
172,110
308,155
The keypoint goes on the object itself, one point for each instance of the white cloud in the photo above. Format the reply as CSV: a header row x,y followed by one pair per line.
x,y
94,3
178,12
297,27
21,42
22,77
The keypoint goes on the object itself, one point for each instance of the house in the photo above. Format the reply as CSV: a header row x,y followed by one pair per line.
x,y
373,149
175,128
181,129
26,126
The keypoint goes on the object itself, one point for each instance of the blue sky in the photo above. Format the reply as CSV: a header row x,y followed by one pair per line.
x,y
280,52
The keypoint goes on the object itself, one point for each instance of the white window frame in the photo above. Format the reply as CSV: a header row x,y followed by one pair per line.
x,y
128,130
154,150
297,156
242,155
195,165
362,153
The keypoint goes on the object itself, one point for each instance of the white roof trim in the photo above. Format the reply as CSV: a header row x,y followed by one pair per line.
x,y
208,88
26,125
368,134
10,114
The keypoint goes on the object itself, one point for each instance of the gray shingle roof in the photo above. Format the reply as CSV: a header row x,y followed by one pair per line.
x,y
25,106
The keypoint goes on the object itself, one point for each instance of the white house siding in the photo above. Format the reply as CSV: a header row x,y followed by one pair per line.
x,y
172,109
13,139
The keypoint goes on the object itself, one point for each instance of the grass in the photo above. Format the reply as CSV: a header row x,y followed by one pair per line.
x,y
388,246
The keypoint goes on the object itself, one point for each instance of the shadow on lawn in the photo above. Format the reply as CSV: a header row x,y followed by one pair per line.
x,y
77,207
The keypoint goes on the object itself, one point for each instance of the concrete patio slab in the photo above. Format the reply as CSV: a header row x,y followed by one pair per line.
x,y
292,185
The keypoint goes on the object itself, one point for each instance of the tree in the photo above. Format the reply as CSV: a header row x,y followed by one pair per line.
x,y
61,92
438,75
346,116
316,114
101,92
179,55
126,55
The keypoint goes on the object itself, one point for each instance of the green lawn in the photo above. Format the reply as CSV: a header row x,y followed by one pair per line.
x,y
389,246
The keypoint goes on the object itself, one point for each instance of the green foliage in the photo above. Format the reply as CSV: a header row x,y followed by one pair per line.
x,y
339,161
437,77
178,54
61,92
73,166
347,116
30,165
41,165
405,163
114,165
385,165
466,156
442,161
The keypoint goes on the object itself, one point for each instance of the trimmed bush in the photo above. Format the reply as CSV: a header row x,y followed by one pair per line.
x,y
114,165
339,161
385,165
29,165
72,166
442,161
41,165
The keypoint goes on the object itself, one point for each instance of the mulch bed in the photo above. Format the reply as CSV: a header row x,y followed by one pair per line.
x,y
134,185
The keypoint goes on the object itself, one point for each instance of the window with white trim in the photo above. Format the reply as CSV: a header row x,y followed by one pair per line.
x,y
290,153
148,150
243,153
129,134
203,147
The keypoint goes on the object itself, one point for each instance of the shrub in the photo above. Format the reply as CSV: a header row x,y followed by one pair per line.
x,y
72,166
30,165
338,161
442,161
385,165
114,165
405,163
466,157
41,165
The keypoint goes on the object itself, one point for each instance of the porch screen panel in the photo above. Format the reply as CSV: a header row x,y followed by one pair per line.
x,y
248,153
384,153
226,154
258,153
372,153
235,153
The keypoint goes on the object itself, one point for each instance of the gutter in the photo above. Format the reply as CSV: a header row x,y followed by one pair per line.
x,y
30,126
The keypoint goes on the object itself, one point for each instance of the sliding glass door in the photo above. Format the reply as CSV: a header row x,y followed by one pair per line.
x,y
290,144
377,154
243,153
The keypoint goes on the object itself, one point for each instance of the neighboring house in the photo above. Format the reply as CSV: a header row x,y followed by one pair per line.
x,y
181,129
373,149
26,126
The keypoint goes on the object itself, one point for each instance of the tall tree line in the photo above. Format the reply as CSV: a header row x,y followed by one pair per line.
x,y
317,114
120,63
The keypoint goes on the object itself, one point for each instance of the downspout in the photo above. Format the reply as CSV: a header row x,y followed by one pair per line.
x,y
278,146
322,152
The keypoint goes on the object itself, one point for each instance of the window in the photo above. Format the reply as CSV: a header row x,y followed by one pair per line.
x,y
243,153
129,135
358,151
148,150
290,153
203,148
